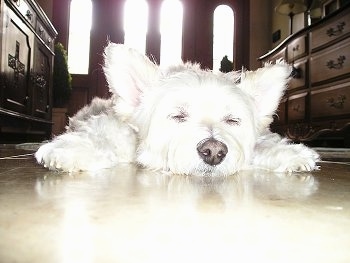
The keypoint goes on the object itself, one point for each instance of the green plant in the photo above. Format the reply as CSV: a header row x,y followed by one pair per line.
x,y
62,80
226,65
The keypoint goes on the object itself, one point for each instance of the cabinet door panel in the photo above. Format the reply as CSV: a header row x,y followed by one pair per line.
x,y
41,82
16,64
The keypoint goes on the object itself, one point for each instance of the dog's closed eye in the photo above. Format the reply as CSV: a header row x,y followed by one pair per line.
x,y
180,116
232,121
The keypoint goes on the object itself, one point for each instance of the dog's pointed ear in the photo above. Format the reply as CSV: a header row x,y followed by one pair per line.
x,y
267,86
128,72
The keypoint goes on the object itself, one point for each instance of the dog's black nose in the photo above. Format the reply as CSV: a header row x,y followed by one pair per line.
x,y
212,151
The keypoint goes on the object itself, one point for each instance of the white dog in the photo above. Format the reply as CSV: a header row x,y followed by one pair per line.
x,y
183,120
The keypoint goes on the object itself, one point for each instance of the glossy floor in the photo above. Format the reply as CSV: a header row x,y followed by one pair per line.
x,y
129,215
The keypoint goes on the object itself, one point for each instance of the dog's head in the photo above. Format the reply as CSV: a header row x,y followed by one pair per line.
x,y
189,120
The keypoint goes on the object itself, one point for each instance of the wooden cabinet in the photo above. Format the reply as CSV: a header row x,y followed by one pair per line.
x,y
316,106
26,66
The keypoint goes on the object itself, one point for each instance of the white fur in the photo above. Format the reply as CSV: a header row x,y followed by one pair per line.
x,y
159,117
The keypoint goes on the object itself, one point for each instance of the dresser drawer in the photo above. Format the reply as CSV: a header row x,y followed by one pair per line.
x,y
280,55
330,31
330,102
296,49
330,63
296,107
299,76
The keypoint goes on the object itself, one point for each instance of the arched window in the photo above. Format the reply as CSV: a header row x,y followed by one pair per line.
x,y
222,35
79,36
135,24
171,32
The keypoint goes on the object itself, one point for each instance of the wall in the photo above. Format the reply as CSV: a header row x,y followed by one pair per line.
x,y
282,22
197,25
259,30
47,6
257,20
264,21
107,23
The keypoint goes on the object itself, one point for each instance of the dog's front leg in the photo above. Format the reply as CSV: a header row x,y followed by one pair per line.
x,y
99,142
272,152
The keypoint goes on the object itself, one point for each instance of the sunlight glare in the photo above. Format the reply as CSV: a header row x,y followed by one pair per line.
x,y
79,36
222,35
135,24
171,32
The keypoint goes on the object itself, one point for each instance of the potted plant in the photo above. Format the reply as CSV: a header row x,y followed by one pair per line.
x,y
226,65
62,80
62,87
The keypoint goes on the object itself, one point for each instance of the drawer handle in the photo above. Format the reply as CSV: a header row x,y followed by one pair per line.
x,y
26,100
296,108
334,32
296,48
29,15
39,81
296,72
18,3
337,103
333,65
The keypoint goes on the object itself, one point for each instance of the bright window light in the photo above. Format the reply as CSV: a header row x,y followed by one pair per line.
x,y
135,24
79,36
222,35
171,32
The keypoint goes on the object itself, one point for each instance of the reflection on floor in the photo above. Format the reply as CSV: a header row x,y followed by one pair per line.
x,y
129,215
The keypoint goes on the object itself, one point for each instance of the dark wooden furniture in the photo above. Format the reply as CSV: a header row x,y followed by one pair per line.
x,y
316,106
26,66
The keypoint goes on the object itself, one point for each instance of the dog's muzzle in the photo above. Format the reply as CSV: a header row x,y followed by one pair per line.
x,y
212,151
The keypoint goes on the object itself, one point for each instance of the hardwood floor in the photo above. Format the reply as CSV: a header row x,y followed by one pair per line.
x,y
129,215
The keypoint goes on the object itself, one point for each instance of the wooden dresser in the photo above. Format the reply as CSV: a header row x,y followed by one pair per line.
x,y
26,66
316,106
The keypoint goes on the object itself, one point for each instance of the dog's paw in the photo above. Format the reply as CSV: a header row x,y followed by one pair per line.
x,y
303,163
72,153
44,155
69,157
55,158
298,158
287,158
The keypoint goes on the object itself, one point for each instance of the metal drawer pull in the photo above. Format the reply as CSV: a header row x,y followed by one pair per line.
x,y
296,72
29,15
332,65
296,48
337,103
40,81
18,3
334,32
296,108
